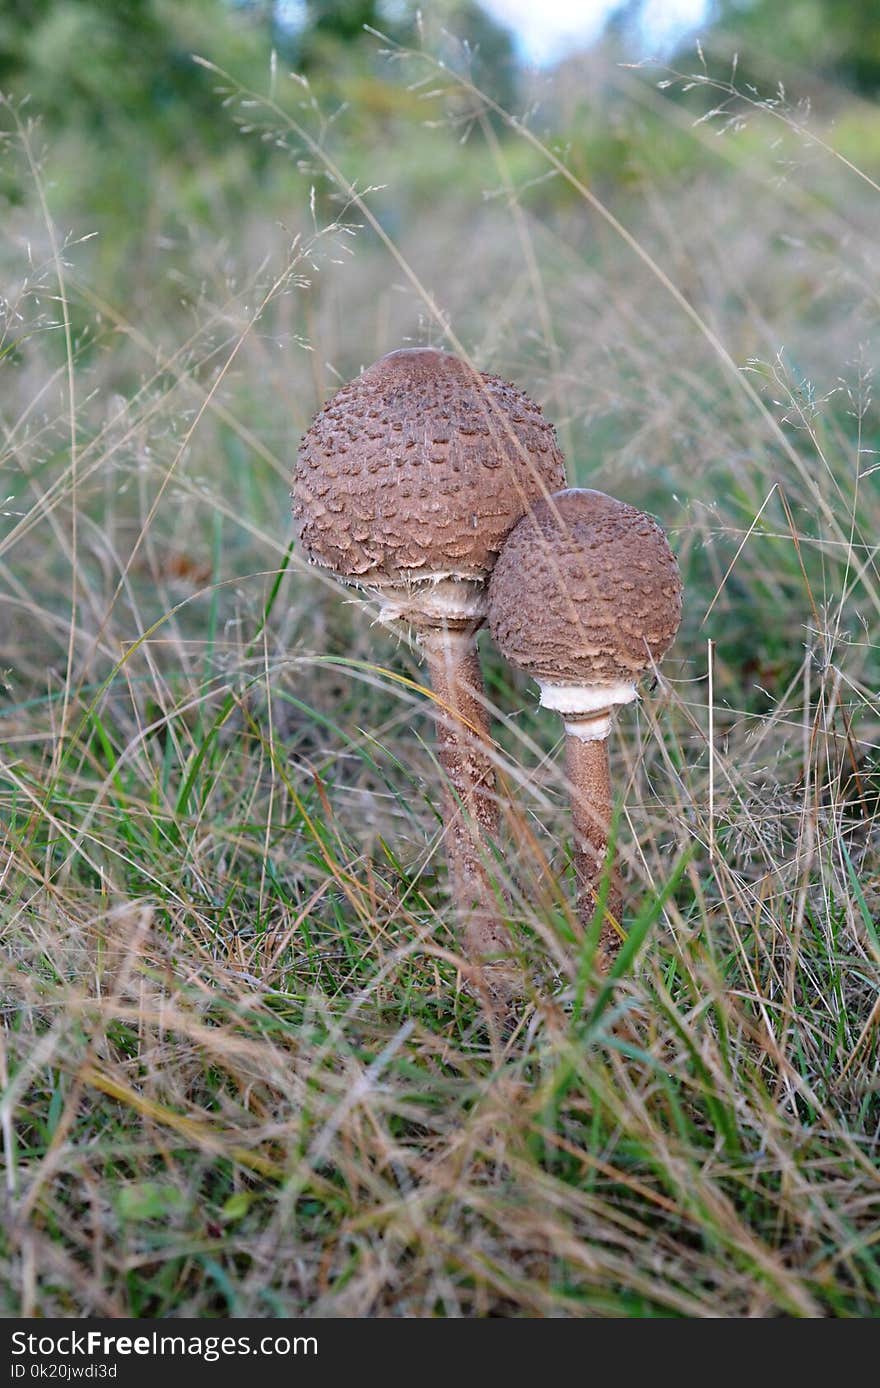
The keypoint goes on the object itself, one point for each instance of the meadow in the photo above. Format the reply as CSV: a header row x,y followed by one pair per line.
x,y
241,1072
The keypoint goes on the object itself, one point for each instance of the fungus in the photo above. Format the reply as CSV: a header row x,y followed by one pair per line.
x,y
406,485
586,597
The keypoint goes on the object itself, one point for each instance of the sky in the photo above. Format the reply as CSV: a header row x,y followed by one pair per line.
x,y
545,30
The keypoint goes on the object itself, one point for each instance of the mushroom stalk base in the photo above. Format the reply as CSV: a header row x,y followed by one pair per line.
x,y
588,771
470,804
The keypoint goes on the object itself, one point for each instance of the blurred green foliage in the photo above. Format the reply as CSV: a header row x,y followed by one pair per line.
x,y
124,110
837,39
103,67
834,39
135,139
122,69
138,147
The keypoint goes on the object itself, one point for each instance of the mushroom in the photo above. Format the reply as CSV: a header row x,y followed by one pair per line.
x,y
406,484
585,597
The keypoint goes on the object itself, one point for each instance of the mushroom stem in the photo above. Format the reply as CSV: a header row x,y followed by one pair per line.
x,y
470,802
589,777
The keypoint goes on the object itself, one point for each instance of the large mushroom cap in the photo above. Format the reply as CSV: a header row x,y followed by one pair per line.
x,y
419,468
586,592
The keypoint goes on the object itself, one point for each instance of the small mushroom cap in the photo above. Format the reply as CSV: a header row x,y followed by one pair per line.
x,y
586,592
419,468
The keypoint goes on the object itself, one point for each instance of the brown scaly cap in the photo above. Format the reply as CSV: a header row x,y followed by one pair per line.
x,y
420,467
586,591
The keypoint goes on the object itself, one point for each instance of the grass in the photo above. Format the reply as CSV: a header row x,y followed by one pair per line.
x,y
240,1072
